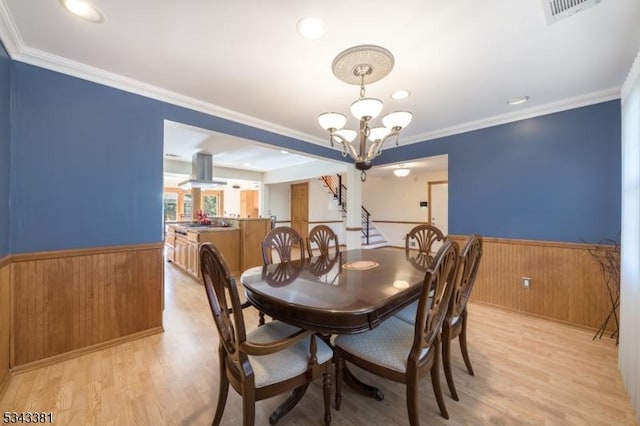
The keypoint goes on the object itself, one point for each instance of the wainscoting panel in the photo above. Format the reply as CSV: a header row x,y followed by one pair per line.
x,y
566,282
69,300
5,317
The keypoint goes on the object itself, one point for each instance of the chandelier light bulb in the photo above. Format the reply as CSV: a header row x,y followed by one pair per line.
x,y
348,135
366,107
332,120
378,133
399,119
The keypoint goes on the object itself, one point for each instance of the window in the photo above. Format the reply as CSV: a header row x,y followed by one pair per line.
x,y
186,215
210,205
170,206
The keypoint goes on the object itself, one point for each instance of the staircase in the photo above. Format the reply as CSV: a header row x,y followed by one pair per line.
x,y
371,236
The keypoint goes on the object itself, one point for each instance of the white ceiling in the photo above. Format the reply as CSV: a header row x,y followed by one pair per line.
x,y
181,142
244,60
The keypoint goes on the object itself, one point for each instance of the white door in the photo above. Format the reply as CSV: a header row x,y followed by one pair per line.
x,y
439,207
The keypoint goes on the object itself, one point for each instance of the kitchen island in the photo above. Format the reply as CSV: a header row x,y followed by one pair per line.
x,y
237,239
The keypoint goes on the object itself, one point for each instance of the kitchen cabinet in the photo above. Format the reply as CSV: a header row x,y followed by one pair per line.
x,y
170,243
193,264
187,241
239,242
180,251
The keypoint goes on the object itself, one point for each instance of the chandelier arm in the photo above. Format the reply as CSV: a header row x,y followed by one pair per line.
x,y
352,151
364,134
396,132
378,145
337,136
374,149
345,144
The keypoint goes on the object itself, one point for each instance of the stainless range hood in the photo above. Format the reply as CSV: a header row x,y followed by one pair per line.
x,y
201,173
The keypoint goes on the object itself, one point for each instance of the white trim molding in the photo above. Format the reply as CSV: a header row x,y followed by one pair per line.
x,y
20,52
550,108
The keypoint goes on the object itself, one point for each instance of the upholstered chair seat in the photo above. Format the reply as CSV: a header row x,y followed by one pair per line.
x,y
388,345
283,365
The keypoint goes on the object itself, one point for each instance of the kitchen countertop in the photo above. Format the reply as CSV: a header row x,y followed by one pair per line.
x,y
205,228
182,229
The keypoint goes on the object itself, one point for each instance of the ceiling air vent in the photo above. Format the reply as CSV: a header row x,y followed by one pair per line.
x,y
560,9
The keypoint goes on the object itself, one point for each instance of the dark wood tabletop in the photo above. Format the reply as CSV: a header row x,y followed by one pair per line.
x,y
323,294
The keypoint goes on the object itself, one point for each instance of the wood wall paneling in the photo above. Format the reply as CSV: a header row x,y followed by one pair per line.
x,y
62,304
5,325
567,283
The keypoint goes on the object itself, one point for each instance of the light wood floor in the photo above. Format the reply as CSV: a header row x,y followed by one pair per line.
x,y
528,371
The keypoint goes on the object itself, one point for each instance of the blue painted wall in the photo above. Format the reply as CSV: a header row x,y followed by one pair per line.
x,y
555,177
5,90
86,166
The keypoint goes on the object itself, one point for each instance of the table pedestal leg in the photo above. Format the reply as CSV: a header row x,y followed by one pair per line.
x,y
286,406
360,387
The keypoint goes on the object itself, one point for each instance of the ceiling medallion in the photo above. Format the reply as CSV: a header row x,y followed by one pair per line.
x,y
360,65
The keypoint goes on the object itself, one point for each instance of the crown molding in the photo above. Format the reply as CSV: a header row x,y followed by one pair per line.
x,y
96,75
632,77
550,108
13,43
18,51
9,35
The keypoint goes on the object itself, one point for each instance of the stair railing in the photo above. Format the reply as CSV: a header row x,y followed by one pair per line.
x,y
339,191
366,218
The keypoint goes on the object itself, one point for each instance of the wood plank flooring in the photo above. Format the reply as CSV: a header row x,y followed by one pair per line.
x,y
528,371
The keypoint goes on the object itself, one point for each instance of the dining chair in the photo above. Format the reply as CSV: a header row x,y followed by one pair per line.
x,y
402,352
282,240
455,324
264,362
323,238
425,236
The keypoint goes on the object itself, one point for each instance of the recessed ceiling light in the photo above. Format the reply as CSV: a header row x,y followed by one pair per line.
x,y
284,152
518,100
84,10
311,28
400,94
245,164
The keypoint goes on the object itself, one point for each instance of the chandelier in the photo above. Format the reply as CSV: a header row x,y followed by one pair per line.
x,y
354,66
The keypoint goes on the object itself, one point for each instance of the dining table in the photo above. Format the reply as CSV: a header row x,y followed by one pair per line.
x,y
345,292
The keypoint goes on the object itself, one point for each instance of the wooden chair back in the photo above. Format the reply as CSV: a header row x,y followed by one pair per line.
x,y
282,240
224,301
466,277
236,347
439,279
323,237
425,236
